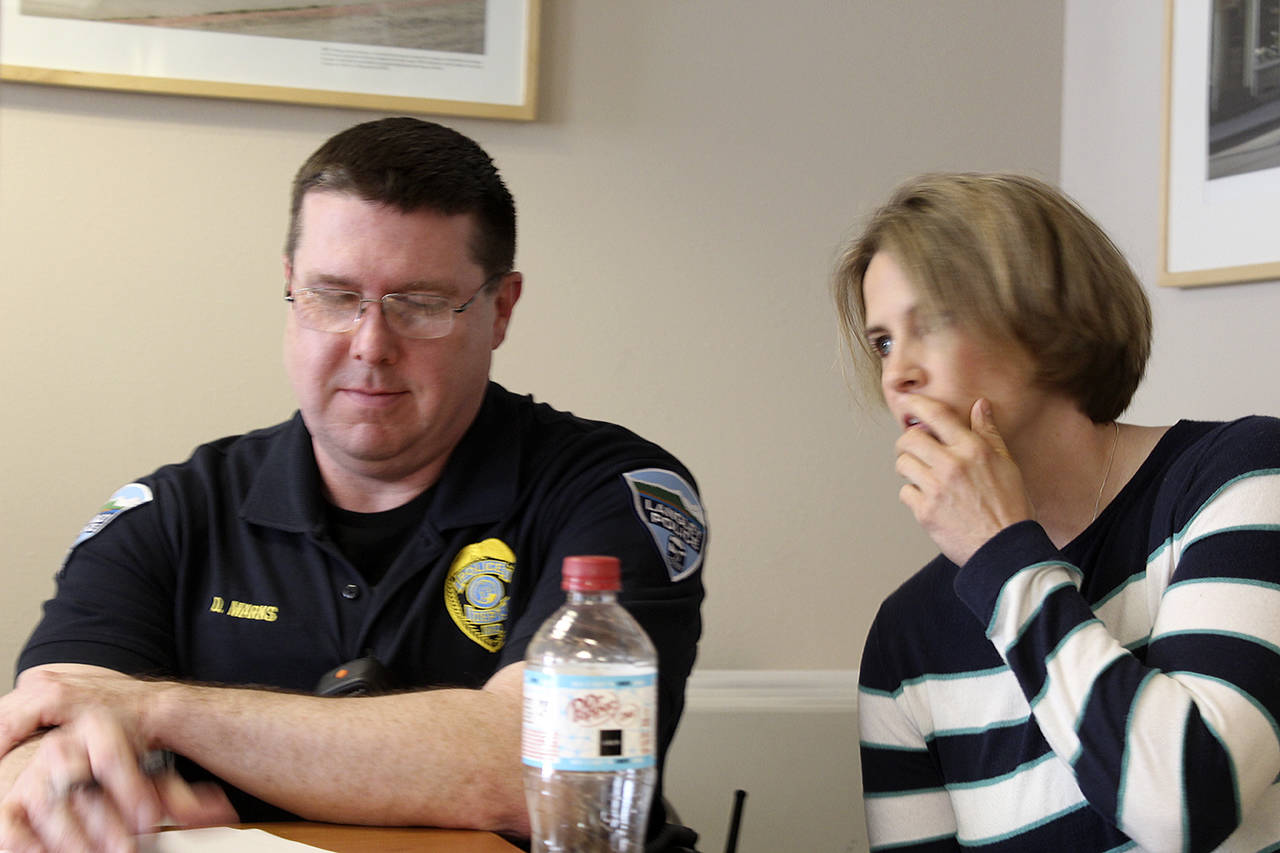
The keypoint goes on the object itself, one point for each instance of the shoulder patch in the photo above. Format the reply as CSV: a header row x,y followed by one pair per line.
x,y
125,498
670,509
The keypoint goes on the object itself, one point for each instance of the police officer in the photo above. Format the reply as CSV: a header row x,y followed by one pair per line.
x,y
404,529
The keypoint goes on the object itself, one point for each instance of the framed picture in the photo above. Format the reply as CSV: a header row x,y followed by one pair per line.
x,y
453,57
1221,183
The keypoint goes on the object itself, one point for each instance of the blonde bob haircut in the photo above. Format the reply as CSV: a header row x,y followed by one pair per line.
x,y
1011,258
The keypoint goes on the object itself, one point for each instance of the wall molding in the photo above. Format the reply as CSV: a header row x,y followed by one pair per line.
x,y
772,690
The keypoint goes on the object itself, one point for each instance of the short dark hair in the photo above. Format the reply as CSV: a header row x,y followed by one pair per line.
x,y
413,165
1015,258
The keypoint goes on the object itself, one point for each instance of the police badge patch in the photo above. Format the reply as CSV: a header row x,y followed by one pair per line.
x,y
670,509
125,498
475,592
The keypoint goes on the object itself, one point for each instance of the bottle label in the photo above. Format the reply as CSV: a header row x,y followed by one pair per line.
x,y
589,722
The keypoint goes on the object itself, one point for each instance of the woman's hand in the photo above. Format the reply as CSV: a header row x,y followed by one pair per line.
x,y
962,484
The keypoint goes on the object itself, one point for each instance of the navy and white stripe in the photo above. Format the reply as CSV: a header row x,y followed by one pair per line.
x,y
1120,694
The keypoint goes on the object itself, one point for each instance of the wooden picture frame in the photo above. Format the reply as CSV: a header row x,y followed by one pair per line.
x,y
485,72
1219,188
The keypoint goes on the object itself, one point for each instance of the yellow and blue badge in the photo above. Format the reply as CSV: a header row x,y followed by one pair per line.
x,y
475,592
671,510
124,499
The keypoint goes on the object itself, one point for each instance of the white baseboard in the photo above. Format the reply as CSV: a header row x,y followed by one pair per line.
x,y
772,690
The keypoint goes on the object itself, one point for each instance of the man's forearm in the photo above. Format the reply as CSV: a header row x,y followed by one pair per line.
x,y
441,758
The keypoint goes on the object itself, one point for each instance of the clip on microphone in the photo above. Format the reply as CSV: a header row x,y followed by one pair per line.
x,y
360,677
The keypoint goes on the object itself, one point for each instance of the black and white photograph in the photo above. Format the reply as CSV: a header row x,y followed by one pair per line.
x,y
1244,87
453,26
1221,178
444,57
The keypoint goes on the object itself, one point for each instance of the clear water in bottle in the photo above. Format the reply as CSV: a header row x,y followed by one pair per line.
x,y
590,719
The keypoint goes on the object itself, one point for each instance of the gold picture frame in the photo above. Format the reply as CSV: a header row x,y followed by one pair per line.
x,y
1220,185
489,75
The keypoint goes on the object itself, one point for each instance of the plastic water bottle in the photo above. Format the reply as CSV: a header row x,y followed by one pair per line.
x,y
590,719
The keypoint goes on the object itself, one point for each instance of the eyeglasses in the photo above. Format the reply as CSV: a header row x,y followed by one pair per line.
x,y
410,315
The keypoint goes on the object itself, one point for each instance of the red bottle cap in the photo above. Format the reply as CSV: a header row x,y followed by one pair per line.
x,y
591,574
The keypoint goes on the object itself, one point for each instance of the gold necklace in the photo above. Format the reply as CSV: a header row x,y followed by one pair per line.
x,y
1098,500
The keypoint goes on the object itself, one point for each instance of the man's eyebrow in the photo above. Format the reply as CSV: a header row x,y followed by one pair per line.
x,y
443,288
419,286
324,278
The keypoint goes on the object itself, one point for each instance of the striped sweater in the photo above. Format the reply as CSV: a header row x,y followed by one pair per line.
x,y
1122,693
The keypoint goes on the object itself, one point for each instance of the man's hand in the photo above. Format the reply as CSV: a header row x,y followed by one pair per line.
x,y
49,696
962,484
304,754
81,785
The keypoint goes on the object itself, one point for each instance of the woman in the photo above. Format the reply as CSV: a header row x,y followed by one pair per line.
x,y
1093,661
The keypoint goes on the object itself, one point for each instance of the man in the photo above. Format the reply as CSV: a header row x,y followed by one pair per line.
x,y
404,529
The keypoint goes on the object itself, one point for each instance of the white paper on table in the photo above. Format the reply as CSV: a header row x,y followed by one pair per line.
x,y
213,839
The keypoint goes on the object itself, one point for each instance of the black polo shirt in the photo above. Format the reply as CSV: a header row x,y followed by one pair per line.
x,y
220,569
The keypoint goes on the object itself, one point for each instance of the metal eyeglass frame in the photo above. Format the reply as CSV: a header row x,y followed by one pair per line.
x,y
360,306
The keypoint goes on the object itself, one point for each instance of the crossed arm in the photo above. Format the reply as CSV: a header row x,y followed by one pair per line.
x,y
73,736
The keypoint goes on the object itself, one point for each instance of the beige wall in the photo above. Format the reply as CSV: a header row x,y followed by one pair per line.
x,y
682,195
